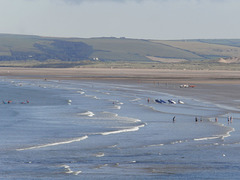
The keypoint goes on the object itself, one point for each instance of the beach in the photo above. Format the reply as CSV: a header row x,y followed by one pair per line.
x,y
106,124
210,84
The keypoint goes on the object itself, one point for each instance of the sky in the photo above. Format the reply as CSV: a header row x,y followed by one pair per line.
x,y
140,19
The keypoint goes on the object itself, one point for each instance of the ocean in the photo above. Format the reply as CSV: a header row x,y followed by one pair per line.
x,y
86,129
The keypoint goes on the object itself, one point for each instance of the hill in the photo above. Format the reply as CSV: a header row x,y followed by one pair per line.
x,y
37,51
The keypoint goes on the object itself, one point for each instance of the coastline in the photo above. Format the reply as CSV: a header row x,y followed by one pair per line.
x,y
198,144
220,87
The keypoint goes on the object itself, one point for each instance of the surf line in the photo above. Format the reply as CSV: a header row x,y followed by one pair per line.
x,y
123,130
53,144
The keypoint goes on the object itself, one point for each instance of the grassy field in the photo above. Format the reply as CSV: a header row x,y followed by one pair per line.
x,y
36,51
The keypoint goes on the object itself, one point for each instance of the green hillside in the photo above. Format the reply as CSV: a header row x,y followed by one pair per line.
x,y
23,50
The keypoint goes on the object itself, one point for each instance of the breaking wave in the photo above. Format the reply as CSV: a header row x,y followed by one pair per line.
x,y
54,144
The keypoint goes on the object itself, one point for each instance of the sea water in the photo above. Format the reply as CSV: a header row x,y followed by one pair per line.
x,y
54,129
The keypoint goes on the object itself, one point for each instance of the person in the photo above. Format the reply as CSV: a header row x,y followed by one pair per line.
x,y
216,119
196,119
174,118
148,100
231,118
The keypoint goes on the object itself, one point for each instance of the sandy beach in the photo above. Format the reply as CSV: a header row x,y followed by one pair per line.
x,y
217,86
161,75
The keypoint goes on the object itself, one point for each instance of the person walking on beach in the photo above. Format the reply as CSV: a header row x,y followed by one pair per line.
x,y
216,119
148,100
231,118
174,118
196,119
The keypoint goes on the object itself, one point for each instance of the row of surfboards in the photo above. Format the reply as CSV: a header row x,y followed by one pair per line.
x,y
170,101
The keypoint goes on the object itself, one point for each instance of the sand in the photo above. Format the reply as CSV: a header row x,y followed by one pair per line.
x,y
170,76
221,87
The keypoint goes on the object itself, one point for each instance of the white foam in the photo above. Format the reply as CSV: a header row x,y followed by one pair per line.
x,y
110,114
80,92
137,99
117,107
113,146
54,144
206,138
154,145
101,154
180,141
122,131
91,96
88,113
228,133
69,171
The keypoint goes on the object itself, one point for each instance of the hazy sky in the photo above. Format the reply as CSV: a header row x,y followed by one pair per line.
x,y
147,19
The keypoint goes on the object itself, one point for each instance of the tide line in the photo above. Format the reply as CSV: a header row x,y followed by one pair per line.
x,y
53,144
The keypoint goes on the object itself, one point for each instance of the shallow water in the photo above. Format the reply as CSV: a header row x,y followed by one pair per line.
x,y
99,130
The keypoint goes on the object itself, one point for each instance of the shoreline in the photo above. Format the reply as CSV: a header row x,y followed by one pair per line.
x,y
220,87
198,144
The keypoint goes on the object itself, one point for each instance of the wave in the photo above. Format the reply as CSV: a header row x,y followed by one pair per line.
x,y
92,96
87,113
109,114
228,133
207,138
180,141
174,142
101,154
154,145
117,107
123,130
100,166
137,99
113,146
81,92
53,144
69,171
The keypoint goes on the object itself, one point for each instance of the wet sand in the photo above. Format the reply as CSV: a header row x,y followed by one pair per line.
x,y
163,76
221,87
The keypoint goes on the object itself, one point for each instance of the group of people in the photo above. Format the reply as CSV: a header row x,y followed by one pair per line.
x,y
196,119
10,102
230,119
